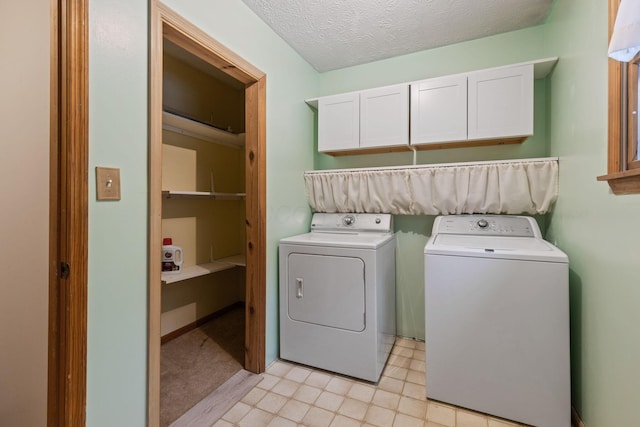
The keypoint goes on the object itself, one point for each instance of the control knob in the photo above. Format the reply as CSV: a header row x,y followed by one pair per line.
x,y
483,223
349,220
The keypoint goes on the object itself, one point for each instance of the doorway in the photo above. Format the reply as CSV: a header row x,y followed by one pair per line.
x,y
168,28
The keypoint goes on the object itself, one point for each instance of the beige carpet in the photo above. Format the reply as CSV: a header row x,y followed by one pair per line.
x,y
196,363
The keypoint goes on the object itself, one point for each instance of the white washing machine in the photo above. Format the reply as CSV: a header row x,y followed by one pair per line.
x,y
337,294
497,319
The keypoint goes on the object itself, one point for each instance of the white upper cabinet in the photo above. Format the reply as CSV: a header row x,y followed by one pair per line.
x,y
477,108
373,118
339,122
439,110
384,117
501,103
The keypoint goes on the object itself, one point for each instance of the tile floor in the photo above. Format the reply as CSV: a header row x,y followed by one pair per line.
x,y
294,395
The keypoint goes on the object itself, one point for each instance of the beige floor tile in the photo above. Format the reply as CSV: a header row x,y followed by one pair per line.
x,y
294,410
395,360
237,412
469,419
415,391
297,374
329,401
396,372
318,417
291,395
307,394
285,387
223,423
256,418
272,402
318,379
386,399
402,420
339,385
441,414
402,351
279,368
282,422
418,365
361,392
268,381
405,342
380,417
254,396
416,377
391,384
414,407
495,422
353,408
342,421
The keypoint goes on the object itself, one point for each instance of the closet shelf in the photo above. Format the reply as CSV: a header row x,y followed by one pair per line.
x,y
204,269
182,125
171,194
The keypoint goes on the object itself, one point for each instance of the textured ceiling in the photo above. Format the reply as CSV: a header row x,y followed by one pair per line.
x,y
332,34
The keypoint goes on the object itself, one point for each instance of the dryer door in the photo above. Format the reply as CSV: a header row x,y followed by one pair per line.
x,y
327,291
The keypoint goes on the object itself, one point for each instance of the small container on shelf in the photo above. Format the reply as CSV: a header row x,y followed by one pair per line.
x,y
171,257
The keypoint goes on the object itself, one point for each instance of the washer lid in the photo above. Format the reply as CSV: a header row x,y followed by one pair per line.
x,y
522,248
367,240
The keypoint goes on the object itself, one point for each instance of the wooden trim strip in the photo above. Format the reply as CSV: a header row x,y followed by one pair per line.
x,y
615,107
255,178
192,39
68,309
53,372
155,215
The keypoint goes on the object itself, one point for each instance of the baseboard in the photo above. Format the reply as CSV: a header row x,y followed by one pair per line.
x,y
191,326
575,418
175,334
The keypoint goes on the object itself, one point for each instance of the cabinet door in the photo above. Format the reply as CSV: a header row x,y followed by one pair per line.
x,y
439,110
501,103
339,122
384,117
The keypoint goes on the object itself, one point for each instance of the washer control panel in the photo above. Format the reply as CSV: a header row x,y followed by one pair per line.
x,y
488,225
352,222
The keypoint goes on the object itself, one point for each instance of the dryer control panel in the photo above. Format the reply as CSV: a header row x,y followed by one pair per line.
x,y
487,225
352,222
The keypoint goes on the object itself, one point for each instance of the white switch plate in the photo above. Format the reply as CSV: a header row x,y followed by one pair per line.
x,y
107,183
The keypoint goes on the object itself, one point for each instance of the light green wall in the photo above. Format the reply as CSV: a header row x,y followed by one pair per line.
x,y
413,231
595,228
117,300
117,352
599,231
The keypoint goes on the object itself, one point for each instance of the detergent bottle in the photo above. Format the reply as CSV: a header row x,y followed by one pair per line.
x,y
171,257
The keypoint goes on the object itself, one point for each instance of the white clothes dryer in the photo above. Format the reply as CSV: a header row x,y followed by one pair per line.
x,y
497,319
337,294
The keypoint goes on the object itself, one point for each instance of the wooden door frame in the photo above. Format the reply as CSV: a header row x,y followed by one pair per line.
x,y
68,213
167,24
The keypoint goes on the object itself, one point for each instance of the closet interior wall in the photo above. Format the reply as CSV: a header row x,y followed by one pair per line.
x,y
206,229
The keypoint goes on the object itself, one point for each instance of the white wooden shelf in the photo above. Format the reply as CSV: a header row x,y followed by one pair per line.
x,y
238,260
182,125
204,269
171,194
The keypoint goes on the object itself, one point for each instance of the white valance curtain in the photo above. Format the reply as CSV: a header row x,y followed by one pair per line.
x,y
510,187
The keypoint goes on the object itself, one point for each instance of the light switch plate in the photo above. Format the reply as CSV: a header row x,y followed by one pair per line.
x,y
107,183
